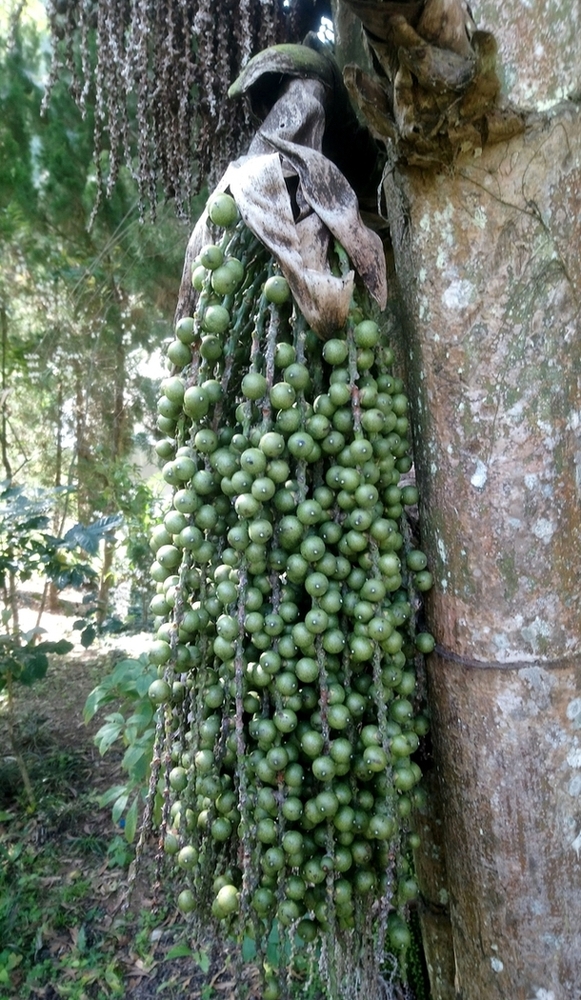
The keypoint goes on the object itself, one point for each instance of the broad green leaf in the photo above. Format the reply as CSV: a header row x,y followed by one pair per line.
x,y
181,950
111,795
203,960
143,682
34,669
248,949
134,755
88,537
123,669
107,735
119,806
131,821
143,717
74,576
95,699
131,733
61,647
88,636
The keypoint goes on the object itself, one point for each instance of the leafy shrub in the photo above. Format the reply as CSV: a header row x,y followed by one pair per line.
x,y
28,547
132,726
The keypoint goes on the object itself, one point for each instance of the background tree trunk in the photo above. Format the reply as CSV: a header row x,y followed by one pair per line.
x,y
488,265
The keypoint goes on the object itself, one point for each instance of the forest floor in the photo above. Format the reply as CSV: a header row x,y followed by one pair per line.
x,y
68,928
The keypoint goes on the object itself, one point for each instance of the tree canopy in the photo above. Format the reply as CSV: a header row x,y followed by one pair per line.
x,y
81,306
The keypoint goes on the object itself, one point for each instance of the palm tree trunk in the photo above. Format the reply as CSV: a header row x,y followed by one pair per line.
x,y
488,269
487,258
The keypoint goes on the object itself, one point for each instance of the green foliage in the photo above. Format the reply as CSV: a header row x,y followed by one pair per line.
x,y
35,910
27,547
119,853
62,932
80,310
137,502
132,726
28,662
84,301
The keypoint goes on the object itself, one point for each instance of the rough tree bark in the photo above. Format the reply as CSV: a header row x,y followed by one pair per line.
x,y
487,257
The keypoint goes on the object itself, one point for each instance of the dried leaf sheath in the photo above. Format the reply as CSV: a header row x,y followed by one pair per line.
x,y
296,225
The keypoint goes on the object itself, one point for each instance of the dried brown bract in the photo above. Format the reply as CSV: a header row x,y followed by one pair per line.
x,y
293,196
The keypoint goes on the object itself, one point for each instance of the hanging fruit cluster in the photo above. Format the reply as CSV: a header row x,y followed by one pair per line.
x,y
284,626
